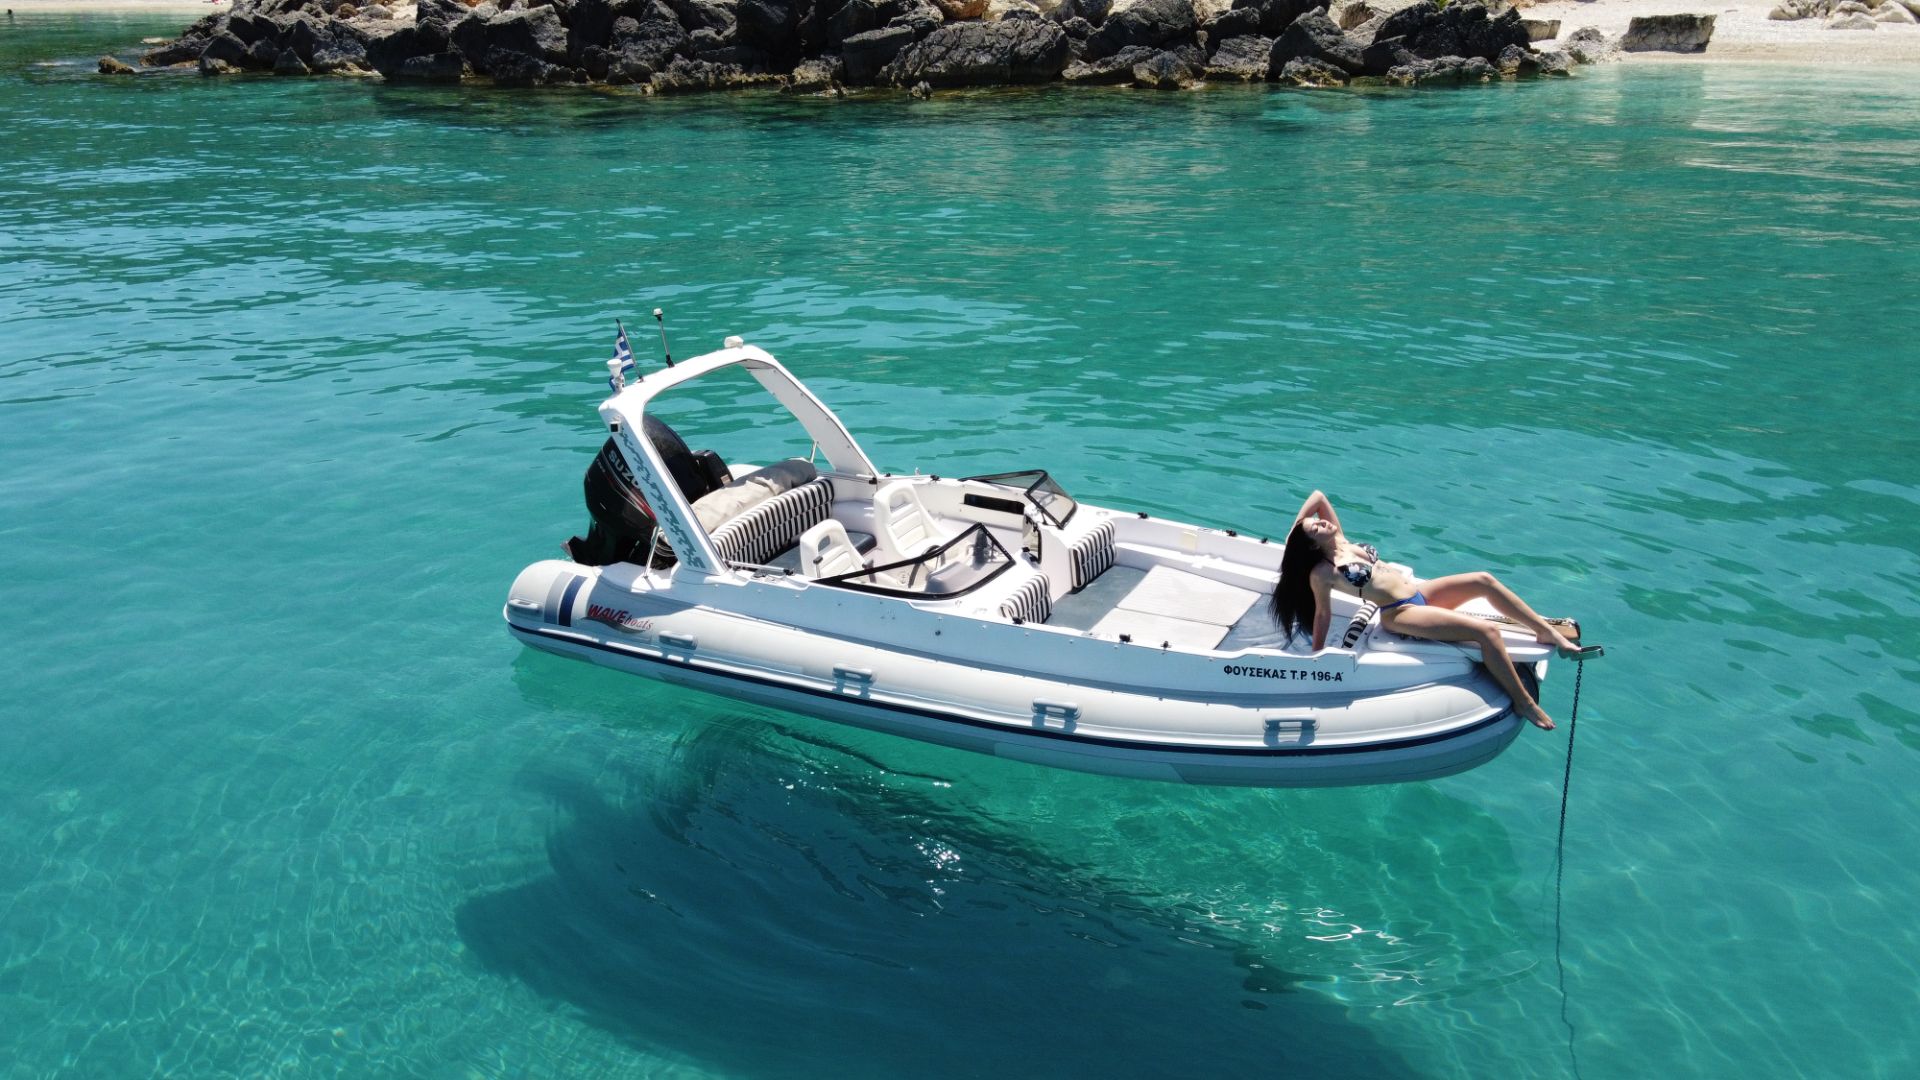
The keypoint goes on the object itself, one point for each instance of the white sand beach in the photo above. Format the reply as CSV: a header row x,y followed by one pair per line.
x,y
1741,31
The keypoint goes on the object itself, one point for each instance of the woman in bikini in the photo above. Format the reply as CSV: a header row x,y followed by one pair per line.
x,y
1319,558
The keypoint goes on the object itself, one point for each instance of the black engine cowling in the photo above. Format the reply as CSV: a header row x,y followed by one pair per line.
x,y
623,524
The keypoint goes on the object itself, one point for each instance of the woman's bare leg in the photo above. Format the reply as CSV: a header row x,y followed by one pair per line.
x,y
1456,589
1442,624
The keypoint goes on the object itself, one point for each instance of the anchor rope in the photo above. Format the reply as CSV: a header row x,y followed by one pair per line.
x,y
1560,860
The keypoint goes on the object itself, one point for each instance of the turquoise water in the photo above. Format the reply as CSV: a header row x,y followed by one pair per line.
x,y
295,375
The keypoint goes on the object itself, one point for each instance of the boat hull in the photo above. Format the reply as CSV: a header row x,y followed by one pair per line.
x,y
1479,726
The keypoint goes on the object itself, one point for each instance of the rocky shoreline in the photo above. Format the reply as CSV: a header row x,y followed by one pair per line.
x,y
826,46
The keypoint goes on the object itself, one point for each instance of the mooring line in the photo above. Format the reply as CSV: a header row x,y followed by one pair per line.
x,y
1560,862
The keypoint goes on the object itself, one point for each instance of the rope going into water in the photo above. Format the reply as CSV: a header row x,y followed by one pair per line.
x,y
1560,861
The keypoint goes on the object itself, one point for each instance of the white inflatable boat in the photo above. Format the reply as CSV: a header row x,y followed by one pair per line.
x,y
992,613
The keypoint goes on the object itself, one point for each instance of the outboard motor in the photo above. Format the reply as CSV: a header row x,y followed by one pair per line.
x,y
623,524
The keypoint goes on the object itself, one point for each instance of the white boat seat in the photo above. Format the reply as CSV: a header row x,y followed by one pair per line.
x,y
902,525
825,552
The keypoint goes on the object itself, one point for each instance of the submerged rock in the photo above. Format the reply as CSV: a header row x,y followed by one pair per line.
x,y
111,66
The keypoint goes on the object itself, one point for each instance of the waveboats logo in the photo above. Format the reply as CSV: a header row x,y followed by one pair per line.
x,y
619,618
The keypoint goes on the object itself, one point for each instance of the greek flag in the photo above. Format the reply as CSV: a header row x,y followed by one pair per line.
x,y
623,355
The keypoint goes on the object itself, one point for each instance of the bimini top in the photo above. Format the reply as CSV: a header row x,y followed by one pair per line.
x,y
627,408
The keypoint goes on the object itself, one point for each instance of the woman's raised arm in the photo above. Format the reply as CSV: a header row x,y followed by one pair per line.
x,y
1317,504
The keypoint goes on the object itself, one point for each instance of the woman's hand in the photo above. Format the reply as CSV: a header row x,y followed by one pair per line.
x,y
1317,505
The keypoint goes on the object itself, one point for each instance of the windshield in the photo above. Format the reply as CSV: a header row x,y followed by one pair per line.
x,y
958,566
1041,491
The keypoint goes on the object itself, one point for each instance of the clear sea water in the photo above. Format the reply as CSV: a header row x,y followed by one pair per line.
x,y
296,375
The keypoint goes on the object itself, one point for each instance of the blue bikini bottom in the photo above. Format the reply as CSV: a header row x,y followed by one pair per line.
x,y
1418,599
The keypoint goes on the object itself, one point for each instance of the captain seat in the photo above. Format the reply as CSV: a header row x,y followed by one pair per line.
x,y
901,525
826,551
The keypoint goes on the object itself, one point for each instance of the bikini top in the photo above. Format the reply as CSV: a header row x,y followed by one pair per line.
x,y
1360,574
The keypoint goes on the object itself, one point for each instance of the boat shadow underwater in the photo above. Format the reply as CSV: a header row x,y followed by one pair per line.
x,y
772,903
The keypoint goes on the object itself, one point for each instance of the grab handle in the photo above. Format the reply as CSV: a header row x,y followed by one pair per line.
x,y
1045,709
1290,729
680,641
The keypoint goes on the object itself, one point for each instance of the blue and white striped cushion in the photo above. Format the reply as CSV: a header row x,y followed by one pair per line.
x,y
772,527
1030,603
1092,554
1368,609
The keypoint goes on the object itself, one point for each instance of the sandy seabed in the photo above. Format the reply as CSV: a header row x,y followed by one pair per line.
x,y
1741,31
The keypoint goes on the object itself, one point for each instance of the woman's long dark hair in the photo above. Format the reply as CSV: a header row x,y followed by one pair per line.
x,y
1293,602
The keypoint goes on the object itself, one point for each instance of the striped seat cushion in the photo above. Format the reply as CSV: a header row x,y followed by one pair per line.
x,y
1030,603
1092,554
1358,626
766,530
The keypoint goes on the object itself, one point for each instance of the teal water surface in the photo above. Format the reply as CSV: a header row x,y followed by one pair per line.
x,y
295,375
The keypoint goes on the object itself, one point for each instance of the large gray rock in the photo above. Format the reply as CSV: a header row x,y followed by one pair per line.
x,y
1313,74
865,54
1112,70
1459,30
1276,15
1443,70
1841,22
1150,23
818,75
443,67
686,76
1232,24
536,32
1347,14
1541,29
1668,33
1244,59
981,54
1313,36
1588,45
855,17
325,45
1792,10
1165,70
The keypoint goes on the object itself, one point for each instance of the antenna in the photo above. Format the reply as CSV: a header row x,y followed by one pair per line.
x,y
660,317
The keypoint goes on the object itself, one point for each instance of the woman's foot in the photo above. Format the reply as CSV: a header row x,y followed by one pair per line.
x,y
1556,640
1535,715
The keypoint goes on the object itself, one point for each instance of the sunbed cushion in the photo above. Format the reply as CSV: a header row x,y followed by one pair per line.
x,y
765,530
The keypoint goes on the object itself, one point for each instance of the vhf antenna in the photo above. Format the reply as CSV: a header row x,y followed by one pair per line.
x,y
660,317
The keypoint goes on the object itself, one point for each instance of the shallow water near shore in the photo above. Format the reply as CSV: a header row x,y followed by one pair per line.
x,y
296,374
